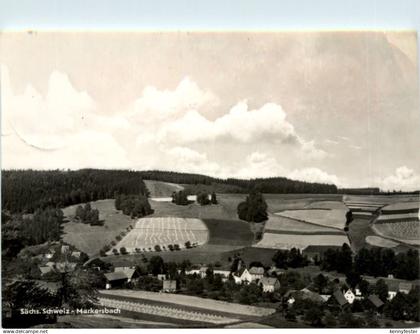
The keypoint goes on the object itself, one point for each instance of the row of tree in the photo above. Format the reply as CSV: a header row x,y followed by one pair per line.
x,y
375,262
28,190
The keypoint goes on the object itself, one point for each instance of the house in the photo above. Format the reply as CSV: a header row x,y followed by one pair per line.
x,y
256,273
65,249
117,278
269,284
224,273
243,276
45,269
349,295
303,294
203,272
169,285
405,287
120,277
338,296
325,297
76,254
375,301
391,294
161,277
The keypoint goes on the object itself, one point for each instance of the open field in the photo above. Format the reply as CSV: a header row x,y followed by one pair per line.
x,y
380,242
334,218
283,224
161,189
90,239
280,202
164,231
287,241
184,300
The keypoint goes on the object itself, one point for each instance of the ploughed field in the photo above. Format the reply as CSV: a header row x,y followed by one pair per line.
x,y
399,222
164,231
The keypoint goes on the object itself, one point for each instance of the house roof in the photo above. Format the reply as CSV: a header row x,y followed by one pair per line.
x,y
374,299
115,276
268,281
256,271
45,269
129,273
240,272
339,297
203,269
405,286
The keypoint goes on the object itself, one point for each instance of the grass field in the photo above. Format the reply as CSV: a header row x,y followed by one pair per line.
x,y
284,224
90,239
334,218
287,241
380,242
161,189
164,231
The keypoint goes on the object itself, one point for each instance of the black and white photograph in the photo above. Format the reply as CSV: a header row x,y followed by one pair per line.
x,y
210,179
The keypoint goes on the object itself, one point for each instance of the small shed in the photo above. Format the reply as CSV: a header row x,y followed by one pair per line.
x,y
169,285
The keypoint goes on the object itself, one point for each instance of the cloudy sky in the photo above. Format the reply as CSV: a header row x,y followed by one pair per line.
x,y
337,107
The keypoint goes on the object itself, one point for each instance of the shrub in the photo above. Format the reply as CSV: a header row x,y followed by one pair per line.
x,y
157,248
118,238
171,247
176,247
115,251
188,244
123,251
113,243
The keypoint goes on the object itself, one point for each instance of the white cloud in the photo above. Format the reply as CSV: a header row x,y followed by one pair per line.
x,y
404,178
58,130
313,174
259,164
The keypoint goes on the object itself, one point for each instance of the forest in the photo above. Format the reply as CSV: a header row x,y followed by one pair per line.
x,y
25,191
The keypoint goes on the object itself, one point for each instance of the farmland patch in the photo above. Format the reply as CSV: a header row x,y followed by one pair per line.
x,y
380,242
334,218
287,241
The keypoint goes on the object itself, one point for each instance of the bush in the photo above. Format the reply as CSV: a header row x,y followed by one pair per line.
x,y
138,250
115,251
157,248
123,251
118,238
171,247
176,247
113,243
254,209
188,244
102,253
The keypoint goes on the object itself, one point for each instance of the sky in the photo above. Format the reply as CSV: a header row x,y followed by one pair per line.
x,y
331,107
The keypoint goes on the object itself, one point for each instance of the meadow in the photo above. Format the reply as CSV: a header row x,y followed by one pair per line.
x,y
90,239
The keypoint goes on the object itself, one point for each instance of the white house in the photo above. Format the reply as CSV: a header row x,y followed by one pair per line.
x,y
349,295
269,284
243,276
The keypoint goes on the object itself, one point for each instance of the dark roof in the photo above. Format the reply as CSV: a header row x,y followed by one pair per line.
x,y
115,276
339,297
374,299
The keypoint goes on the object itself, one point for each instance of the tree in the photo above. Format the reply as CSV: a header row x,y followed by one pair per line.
x,y
320,283
314,315
157,248
203,198
188,244
213,198
381,289
353,278
254,209
123,251
156,265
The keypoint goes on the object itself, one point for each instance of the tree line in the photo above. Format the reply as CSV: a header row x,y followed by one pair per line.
x,y
275,185
374,262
